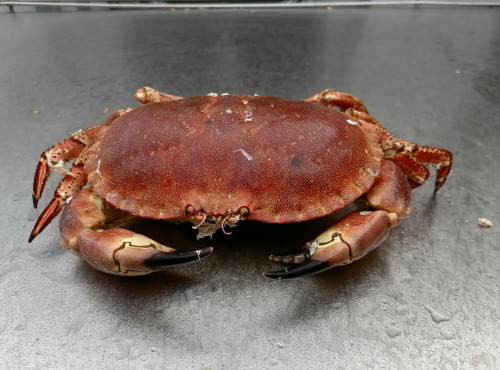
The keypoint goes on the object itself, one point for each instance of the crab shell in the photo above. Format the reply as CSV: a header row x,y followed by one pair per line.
x,y
270,159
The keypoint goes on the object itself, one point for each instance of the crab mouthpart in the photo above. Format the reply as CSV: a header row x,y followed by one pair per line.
x,y
207,223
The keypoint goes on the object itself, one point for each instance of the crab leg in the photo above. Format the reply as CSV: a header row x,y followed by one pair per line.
x,y
148,95
410,157
337,99
85,227
54,158
351,238
72,182
117,114
356,234
74,179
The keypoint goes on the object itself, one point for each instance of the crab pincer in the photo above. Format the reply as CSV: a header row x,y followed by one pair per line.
x,y
86,225
123,252
350,239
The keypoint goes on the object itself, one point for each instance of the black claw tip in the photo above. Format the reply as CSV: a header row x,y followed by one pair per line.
x,y
307,268
163,260
35,201
32,236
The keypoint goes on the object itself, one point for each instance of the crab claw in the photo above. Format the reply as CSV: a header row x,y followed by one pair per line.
x,y
351,238
123,252
307,268
312,262
86,228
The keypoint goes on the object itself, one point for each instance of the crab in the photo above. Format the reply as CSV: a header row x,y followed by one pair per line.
x,y
216,160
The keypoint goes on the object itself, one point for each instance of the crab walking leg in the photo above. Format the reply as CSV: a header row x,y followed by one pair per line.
x,y
441,158
338,99
356,234
410,157
116,115
146,95
116,251
72,182
54,158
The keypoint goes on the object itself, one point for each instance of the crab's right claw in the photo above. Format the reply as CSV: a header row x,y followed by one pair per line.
x,y
123,252
351,238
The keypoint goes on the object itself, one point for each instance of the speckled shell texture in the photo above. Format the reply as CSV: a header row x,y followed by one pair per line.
x,y
286,161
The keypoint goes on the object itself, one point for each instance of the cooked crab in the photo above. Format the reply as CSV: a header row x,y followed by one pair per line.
x,y
216,160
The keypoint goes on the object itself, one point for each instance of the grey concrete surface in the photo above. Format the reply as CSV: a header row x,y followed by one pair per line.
x,y
427,298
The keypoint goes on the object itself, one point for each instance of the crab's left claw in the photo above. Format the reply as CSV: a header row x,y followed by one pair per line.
x,y
124,252
351,238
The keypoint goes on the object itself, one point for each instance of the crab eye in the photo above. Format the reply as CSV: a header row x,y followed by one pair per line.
x,y
189,210
244,212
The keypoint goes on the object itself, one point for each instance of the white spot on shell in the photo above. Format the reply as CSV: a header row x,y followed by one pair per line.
x,y
248,114
350,121
244,101
247,156
212,94
229,111
69,199
97,169
372,173
365,213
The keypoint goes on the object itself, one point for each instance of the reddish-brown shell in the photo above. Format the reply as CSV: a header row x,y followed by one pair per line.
x,y
286,161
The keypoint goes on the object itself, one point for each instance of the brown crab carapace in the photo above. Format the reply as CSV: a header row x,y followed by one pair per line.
x,y
216,160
